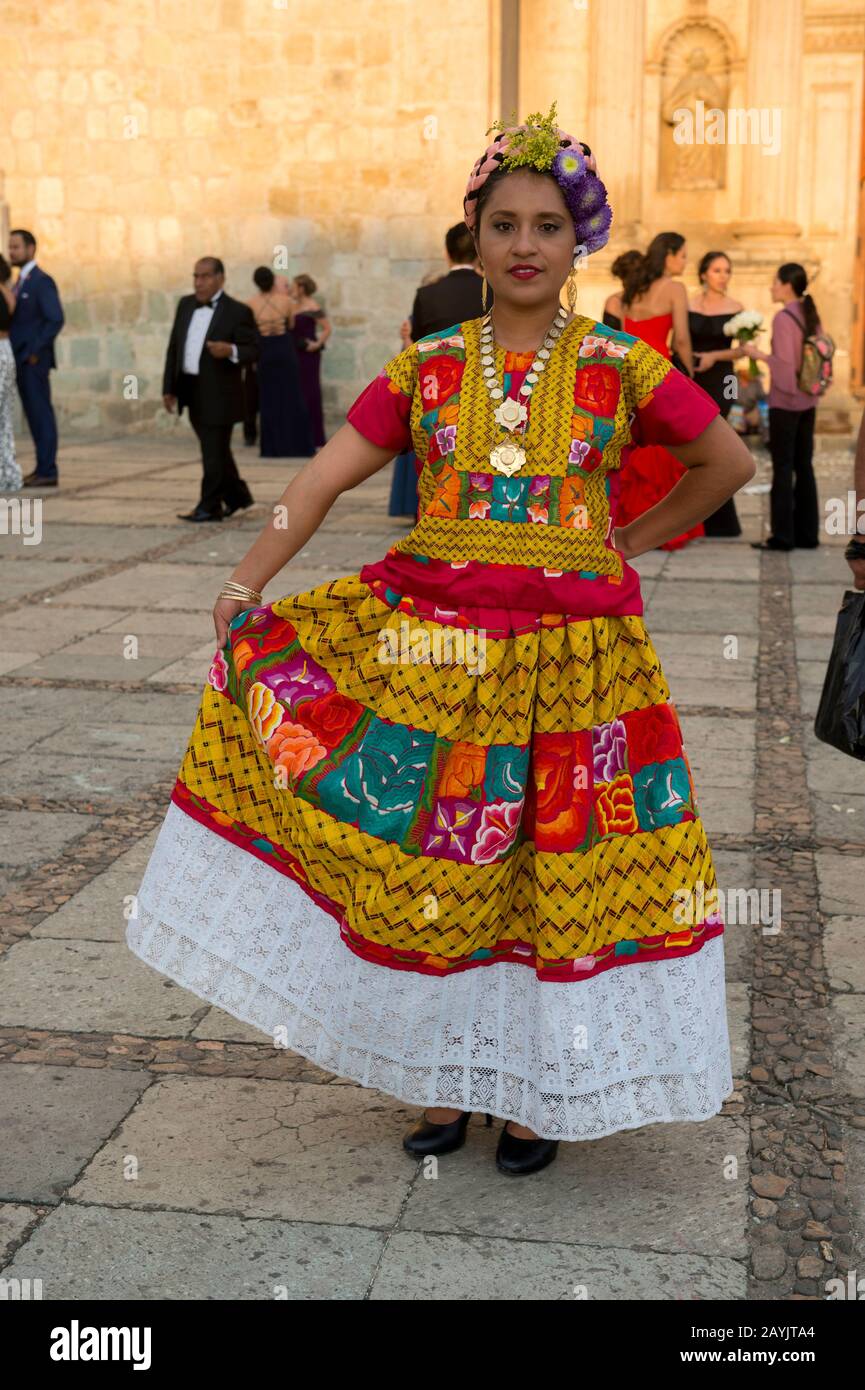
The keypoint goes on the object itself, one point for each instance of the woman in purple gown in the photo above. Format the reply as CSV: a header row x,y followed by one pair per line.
x,y
311,332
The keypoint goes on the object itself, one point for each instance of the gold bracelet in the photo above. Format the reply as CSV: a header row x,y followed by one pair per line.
x,y
239,592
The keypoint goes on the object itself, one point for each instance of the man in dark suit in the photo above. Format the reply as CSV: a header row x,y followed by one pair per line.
x,y
457,295
37,320
212,338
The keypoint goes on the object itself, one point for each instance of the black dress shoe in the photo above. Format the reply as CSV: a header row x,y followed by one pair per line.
x,y
770,544
199,515
232,507
524,1155
427,1138
35,479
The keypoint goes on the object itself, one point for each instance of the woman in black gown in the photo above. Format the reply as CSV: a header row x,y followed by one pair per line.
x,y
714,356
286,431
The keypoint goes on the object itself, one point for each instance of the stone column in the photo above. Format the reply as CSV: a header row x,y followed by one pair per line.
x,y
773,90
616,62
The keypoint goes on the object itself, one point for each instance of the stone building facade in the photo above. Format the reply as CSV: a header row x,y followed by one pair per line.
x,y
337,139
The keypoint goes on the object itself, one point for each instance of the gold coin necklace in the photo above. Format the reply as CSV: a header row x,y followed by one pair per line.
x,y
512,413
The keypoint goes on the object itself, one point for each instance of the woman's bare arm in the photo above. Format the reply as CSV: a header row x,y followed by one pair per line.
x,y
681,331
718,464
345,460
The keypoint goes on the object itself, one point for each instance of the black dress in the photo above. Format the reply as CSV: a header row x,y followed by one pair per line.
x,y
707,335
285,426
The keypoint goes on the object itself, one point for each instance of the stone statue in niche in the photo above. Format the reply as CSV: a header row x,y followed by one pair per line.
x,y
694,80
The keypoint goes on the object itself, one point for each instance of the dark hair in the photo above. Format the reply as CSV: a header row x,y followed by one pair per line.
x,y
487,187
216,266
707,260
792,273
306,282
5,270
625,264
459,244
264,277
651,265
29,238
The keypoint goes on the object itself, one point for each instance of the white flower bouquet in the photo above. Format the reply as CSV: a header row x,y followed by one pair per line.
x,y
745,326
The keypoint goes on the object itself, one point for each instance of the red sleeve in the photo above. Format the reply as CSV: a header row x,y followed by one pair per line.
x,y
381,414
676,411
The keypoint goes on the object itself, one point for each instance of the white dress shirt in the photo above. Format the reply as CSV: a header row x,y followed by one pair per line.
x,y
197,332
22,274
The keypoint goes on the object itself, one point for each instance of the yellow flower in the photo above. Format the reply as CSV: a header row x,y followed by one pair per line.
x,y
265,711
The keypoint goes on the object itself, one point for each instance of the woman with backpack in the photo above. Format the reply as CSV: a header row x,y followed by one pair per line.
x,y
800,362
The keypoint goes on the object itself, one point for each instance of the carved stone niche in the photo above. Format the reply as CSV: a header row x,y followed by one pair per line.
x,y
696,63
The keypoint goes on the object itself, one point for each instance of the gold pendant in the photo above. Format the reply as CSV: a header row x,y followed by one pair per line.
x,y
507,458
511,414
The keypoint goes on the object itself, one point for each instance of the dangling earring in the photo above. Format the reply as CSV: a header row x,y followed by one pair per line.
x,y
484,293
572,290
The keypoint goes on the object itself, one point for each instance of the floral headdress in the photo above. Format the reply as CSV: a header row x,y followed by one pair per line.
x,y
540,144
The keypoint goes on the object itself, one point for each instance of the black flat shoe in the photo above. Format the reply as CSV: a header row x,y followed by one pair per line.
x,y
524,1155
427,1138
769,544
199,515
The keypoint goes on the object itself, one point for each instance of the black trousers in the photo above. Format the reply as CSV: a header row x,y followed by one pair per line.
x,y
34,388
793,501
221,481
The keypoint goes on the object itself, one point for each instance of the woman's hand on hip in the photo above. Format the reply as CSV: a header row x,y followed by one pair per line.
x,y
224,610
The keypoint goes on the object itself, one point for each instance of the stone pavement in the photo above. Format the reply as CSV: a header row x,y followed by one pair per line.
x,y
157,1148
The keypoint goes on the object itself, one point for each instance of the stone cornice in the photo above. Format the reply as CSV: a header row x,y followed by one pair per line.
x,y
834,33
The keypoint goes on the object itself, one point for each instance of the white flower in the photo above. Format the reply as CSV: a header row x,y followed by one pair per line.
x,y
746,321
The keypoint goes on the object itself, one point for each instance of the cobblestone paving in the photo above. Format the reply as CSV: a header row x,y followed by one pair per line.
x,y
158,1148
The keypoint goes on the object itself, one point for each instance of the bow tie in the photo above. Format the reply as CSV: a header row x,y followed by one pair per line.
x,y
206,304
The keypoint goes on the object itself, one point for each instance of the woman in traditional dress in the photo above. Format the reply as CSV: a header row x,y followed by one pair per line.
x,y
714,355
435,822
655,309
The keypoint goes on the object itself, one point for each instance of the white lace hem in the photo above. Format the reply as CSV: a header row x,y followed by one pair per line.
x,y
637,1045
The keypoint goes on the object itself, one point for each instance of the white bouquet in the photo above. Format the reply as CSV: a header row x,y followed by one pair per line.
x,y
744,326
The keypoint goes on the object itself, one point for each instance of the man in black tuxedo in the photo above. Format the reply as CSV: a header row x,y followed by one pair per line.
x,y
457,295
212,338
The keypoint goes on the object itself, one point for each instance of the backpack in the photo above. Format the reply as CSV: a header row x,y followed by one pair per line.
x,y
815,371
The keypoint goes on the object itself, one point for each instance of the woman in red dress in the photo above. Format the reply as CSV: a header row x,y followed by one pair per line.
x,y
652,303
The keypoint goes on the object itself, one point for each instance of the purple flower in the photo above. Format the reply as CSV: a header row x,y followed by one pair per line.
x,y
297,680
609,745
569,166
596,232
446,438
579,449
539,484
589,197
